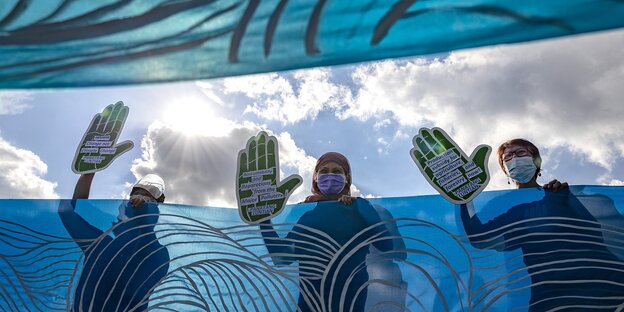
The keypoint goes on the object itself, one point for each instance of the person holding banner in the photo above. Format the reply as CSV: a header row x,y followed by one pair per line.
x,y
570,265
332,182
332,242
123,264
567,258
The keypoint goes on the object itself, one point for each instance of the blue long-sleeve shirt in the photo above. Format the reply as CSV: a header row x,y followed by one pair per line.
x,y
563,249
118,271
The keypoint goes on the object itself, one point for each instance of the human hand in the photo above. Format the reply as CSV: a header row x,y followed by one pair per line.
x,y
138,200
98,147
555,185
457,177
346,199
259,192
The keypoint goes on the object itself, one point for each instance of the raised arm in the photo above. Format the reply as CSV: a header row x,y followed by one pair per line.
x,y
261,194
83,186
492,234
277,246
97,149
396,243
79,229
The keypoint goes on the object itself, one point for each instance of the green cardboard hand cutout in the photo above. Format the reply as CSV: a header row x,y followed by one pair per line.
x,y
259,192
457,177
98,147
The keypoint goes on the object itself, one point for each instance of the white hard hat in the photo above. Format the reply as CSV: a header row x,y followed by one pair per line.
x,y
152,183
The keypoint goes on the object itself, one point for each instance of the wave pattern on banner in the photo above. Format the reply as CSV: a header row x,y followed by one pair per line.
x,y
508,250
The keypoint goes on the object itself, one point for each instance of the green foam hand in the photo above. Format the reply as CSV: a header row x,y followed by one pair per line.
x,y
259,192
457,177
98,147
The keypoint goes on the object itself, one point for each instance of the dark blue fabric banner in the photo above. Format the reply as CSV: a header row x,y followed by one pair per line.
x,y
515,250
60,43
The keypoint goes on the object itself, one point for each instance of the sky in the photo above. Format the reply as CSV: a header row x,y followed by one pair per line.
x,y
565,95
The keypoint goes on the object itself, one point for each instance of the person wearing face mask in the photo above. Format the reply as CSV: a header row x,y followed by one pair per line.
x,y
122,265
337,218
521,161
567,260
331,179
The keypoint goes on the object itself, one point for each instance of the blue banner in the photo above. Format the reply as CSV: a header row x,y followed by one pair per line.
x,y
520,250
58,43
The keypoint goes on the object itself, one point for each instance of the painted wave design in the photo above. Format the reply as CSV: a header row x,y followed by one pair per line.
x,y
223,269
229,268
558,252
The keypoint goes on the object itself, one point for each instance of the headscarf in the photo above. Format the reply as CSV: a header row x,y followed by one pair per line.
x,y
342,161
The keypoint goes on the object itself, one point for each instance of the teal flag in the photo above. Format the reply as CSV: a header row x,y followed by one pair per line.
x,y
62,43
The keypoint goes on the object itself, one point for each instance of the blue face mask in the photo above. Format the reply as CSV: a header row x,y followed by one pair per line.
x,y
521,169
330,183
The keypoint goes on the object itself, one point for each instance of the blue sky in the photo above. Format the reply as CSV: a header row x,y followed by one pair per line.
x,y
563,94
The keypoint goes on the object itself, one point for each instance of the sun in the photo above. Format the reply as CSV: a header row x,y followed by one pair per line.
x,y
193,116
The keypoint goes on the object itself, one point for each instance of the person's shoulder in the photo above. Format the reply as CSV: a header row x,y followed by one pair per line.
x,y
504,200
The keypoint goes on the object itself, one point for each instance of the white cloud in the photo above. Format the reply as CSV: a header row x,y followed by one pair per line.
x,y
557,93
14,102
382,124
21,174
208,89
357,193
607,179
565,92
616,182
277,98
200,168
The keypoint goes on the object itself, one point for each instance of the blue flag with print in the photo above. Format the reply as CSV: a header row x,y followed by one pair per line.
x,y
59,43
518,250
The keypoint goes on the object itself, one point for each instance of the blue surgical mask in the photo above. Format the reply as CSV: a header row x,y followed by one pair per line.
x,y
521,169
330,183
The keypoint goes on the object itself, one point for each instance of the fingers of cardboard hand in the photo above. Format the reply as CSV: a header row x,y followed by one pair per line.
x,y
424,148
242,163
95,122
443,139
422,160
124,147
271,153
436,147
105,116
480,157
118,122
112,119
289,184
252,155
261,148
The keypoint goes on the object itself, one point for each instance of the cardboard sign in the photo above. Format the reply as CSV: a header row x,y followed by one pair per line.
x,y
259,192
457,177
98,147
